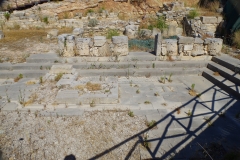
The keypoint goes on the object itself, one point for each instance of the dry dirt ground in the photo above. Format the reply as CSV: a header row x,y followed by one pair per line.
x,y
17,45
25,135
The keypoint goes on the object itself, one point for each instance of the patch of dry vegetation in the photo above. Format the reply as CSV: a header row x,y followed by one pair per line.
x,y
89,86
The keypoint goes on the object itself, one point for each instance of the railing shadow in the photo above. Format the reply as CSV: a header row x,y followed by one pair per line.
x,y
212,114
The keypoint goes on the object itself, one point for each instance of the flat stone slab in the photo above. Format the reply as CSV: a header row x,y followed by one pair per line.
x,y
10,106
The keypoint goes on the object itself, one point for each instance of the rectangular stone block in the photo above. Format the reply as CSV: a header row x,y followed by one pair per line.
x,y
83,46
61,69
119,39
185,40
188,47
209,20
99,41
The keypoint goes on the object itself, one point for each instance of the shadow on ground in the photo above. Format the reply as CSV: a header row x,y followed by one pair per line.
x,y
217,135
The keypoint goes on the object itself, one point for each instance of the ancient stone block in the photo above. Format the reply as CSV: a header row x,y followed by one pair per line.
x,y
185,40
171,46
209,20
213,45
83,46
172,30
119,39
131,31
69,47
1,35
158,44
78,31
53,33
188,47
99,41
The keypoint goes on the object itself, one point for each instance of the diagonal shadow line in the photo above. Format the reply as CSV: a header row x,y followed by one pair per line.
x,y
189,136
165,117
161,140
128,156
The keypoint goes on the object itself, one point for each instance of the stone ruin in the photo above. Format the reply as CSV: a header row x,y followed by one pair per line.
x,y
186,46
98,46
202,26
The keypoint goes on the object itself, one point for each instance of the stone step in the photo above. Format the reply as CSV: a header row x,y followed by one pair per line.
x,y
228,86
107,65
140,72
228,62
25,73
43,58
225,72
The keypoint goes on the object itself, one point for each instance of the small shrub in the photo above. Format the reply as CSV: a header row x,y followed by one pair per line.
x,y
147,102
236,39
151,123
7,15
138,91
130,113
112,32
169,79
20,76
189,113
92,23
100,10
92,104
156,94
40,80
45,20
160,23
58,77
192,14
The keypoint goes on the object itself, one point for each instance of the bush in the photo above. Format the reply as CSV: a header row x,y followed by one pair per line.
x,y
112,32
7,15
236,39
192,14
160,23
92,23
45,20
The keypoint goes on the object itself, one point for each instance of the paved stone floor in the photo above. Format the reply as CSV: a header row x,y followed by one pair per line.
x,y
183,122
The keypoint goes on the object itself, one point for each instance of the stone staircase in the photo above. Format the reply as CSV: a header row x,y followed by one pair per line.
x,y
223,71
136,64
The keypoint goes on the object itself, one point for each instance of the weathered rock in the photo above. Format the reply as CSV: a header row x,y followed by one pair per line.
x,y
158,44
185,40
120,45
169,47
83,46
214,45
209,20
172,30
78,32
70,46
62,43
145,33
99,41
1,35
131,31
52,33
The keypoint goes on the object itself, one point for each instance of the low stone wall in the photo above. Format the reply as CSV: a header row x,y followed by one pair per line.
x,y
187,46
99,46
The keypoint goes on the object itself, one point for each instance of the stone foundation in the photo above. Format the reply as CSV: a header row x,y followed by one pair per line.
x,y
70,46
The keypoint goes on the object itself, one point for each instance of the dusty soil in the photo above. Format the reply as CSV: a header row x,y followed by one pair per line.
x,y
17,45
31,136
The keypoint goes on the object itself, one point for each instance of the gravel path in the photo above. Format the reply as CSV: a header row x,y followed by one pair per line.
x,y
25,135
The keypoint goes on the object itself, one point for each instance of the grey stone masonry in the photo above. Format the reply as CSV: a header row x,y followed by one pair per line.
x,y
187,46
1,34
70,46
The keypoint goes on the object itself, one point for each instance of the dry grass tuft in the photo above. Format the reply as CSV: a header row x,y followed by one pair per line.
x,y
30,83
216,74
192,92
32,99
93,86
89,86
236,39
